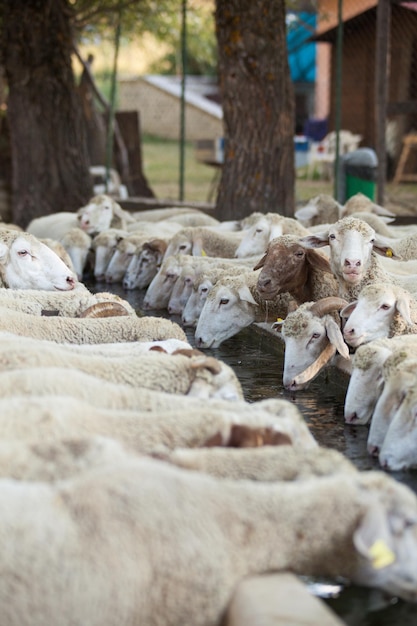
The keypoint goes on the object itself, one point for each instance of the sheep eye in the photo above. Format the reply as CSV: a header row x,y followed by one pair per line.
x,y
372,241
22,252
385,307
300,253
182,247
224,301
315,335
332,236
258,230
204,290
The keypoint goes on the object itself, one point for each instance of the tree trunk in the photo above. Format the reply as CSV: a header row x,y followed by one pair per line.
x,y
258,108
48,143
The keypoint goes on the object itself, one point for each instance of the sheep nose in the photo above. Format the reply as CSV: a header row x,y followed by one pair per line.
x,y
199,341
348,331
353,263
373,450
71,281
351,418
264,282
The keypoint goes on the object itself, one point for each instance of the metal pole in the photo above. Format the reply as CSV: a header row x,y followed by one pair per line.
x,y
338,96
182,103
383,35
110,129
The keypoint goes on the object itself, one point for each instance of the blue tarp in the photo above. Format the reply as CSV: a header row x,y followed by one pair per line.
x,y
301,54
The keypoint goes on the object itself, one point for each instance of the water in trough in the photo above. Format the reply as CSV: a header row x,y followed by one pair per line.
x,y
257,358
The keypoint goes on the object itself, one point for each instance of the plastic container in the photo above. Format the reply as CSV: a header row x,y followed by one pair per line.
x,y
359,170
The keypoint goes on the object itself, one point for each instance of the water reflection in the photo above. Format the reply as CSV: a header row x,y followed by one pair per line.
x,y
257,359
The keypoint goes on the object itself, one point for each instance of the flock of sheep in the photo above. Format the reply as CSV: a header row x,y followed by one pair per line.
x,y
137,483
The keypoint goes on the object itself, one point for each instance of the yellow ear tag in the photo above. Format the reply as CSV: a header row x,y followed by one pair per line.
x,y
388,252
204,254
381,554
279,319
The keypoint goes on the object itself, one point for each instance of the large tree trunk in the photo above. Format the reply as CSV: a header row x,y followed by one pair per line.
x,y
48,144
258,108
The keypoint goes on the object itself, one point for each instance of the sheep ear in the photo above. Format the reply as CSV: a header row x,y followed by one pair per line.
x,y
245,295
4,251
348,309
122,214
260,263
318,260
336,338
318,240
207,362
275,231
370,538
307,212
403,308
197,249
383,247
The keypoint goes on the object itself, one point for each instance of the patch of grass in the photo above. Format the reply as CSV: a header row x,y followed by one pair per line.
x,y
161,162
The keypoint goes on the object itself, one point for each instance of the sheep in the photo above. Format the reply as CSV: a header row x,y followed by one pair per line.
x,y
51,458
233,304
60,251
366,378
353,247
66,304
101,212
399,375
264,229
324,209
27,263
267,463
103,245
160,289
144,266
201,287
289,267
398,450
75,330
381,310
122,540
200,240
180,373
125,248
51,419
77,243
156,215
312,337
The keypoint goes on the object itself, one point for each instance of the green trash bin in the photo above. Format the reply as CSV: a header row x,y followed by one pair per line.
x,y
360,169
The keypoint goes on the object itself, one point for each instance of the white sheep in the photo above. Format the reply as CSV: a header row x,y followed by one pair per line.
x,y
101,212
122,540
125,248
66,303
202,285
313,339
52,456
75,330
52,418
261,463
231,305
181,373
353,247
103,246
200,240
324,209
399,373
381,310
398,450
268,226
366,378
77,243
27,263
144,266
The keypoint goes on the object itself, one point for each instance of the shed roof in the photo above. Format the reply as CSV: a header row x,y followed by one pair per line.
x,y
198,90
